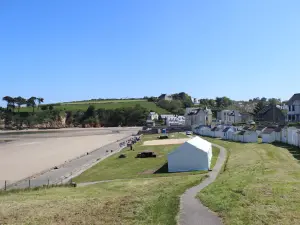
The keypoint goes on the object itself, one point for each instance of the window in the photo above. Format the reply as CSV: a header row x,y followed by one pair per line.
x,y
289,117
289,108
293,108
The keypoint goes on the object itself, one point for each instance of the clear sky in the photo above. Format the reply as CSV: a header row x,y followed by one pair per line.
x,y
66,50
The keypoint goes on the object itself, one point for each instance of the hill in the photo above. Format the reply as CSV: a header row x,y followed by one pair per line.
x,y
110,104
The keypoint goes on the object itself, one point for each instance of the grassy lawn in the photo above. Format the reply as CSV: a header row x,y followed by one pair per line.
x,y
131,167
171,136
105,105
142,201
260,185
106,101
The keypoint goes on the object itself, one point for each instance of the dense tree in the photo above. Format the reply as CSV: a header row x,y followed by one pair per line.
x,y
207,102
274,101
127,116
44,107
185,98
259,106
152,99
263,99
9,100
31,102
20,101
174,106
2,113
39,100
223,102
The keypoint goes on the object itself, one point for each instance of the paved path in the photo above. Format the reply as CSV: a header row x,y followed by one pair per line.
x,y
192,212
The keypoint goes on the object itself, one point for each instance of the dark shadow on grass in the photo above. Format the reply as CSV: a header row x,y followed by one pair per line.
x,y
294,150
163,169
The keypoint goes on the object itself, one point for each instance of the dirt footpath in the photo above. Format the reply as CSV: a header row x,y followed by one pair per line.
x,y
166,142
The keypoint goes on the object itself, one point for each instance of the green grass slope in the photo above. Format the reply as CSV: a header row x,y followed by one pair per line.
x,y
142,201
151,106
131,167
260,185
106,101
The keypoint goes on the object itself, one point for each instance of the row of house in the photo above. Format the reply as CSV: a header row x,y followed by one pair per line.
x,y
287,135
246,134
197,116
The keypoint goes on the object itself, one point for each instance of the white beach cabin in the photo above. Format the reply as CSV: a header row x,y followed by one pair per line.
x,y
228,133
204,131
219,132
268,135
250,136
292,136
195,154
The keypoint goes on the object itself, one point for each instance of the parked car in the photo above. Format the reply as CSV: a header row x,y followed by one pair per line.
x,y
146,154
189,133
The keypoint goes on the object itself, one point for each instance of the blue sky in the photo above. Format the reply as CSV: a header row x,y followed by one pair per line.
x,y
66,50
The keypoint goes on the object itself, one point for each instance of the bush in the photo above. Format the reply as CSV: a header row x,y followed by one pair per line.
x,y
44,107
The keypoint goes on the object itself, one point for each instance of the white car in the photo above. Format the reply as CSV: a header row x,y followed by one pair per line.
x,y
188,133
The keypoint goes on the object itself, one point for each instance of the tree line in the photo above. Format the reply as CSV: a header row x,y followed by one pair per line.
x,y
92,117
48,114
177,105
13,102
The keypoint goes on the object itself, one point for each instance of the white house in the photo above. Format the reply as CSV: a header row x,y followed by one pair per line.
x,y
175,121
153,116
196,116
237,137
204,130
293,114
217,131
229,117
165,116
293,138
278,134
198,129
195,101
268,135
165,97
228,133
284,135
250,136
195,154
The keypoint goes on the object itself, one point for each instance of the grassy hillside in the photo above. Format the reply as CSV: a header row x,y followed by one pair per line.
x,y
141,201
131,167
106,101
107,105
260,185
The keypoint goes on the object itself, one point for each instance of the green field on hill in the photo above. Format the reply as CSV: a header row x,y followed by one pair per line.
x,y
260,185
131,167
106,101
105,105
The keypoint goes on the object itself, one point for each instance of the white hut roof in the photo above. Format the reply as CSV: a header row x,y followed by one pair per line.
x,y
200,143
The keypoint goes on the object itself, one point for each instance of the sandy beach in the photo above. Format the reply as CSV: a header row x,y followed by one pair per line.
x,y
28,155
